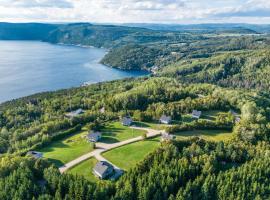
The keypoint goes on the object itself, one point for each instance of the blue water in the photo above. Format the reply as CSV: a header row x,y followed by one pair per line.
x,y
28,67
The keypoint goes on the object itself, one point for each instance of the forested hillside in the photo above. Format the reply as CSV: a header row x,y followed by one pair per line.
x,y
141,48
242,69
224,76
189,169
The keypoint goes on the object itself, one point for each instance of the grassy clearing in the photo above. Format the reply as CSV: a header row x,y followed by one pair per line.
x,y
127,156
213,135
211,114
187,118
67,149
208,115
116,132
85,169
151,125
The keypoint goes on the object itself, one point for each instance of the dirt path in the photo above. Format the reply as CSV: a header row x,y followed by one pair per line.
x,y
102,147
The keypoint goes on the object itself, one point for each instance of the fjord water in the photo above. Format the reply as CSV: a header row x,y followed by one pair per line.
x,y
28,67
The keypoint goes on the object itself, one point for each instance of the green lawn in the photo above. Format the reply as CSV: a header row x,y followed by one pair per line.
x,y
211,114
63,151
208,115
85,169
152,125
127,156
213,135
116,132
187,118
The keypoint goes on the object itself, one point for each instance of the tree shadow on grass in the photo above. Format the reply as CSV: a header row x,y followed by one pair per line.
x,y
52,147
108,140
57,163
141,124
202,133
208,117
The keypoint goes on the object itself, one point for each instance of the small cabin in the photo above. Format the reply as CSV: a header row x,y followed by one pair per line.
x,y
35,154
74,113
165,119
166,137
196,114
103,170
237,119
94,136
102,110
127,121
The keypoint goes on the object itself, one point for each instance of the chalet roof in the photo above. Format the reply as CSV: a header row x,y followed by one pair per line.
x,y
35,154
102,110
196,113
167,136
165,118
75,113
102,166
93,134
126,120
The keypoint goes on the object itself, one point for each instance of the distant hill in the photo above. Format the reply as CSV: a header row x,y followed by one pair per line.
x,y
143,46
207,28
94,35
25,31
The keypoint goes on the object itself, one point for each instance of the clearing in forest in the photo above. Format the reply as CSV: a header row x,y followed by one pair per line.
x,y
129,155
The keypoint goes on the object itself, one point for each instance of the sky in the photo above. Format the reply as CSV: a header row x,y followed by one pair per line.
x,y
136,11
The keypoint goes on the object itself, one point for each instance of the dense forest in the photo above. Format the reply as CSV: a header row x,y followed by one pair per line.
x,y
242,69
191,169
194,71
146,47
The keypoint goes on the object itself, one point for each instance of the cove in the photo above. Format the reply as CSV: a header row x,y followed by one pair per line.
x,y
29,67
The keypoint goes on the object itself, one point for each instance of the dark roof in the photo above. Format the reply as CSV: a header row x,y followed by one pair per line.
x,y
102,166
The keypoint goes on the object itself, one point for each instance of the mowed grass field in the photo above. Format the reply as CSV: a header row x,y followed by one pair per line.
x,y
151,125
116,132
128,156
213,135
67,149
85,169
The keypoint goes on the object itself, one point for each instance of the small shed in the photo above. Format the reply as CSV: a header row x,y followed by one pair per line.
x,y
35,154
165,119
74,113
196,114
94,136
102,110
166,137
127,121
103,170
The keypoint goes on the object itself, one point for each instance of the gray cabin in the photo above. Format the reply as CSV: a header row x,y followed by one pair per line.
x,y
166,137
103,170
74,113
165,119
102,110
127,121
94,136
35,154
196,114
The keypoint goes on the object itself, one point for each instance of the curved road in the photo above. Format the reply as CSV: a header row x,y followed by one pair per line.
x,y
102,147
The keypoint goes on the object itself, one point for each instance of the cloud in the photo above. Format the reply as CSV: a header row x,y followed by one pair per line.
x,y
36,3
247,13
147,11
